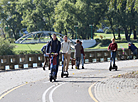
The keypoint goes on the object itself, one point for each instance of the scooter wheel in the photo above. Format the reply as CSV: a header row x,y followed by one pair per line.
x,y
50,79
116,69
61,75
110,68
54,79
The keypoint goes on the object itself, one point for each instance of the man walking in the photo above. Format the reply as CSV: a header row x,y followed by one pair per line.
x,y
77,53
55,46
66,49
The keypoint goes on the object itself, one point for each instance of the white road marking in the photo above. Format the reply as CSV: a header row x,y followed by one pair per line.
x,y
44,94
50,95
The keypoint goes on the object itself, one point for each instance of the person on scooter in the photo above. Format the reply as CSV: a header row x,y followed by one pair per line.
x,y
66,49
113,48
55,46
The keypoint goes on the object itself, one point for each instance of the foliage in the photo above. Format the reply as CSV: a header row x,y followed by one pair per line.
x,y
105,42
20,52
5,47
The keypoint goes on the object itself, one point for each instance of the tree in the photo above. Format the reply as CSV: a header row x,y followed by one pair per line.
x,y
10,18
81,13
37,14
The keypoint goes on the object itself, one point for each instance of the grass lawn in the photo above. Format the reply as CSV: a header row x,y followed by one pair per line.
x,y
109,36
37,47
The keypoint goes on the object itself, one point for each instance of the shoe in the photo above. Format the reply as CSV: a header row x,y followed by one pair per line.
x,y
43,68
82,67
75,67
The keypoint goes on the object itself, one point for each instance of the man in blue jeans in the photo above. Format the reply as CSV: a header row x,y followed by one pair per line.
x,y
55,46
113,48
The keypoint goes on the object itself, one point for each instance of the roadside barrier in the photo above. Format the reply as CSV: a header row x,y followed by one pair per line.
x,y
36,60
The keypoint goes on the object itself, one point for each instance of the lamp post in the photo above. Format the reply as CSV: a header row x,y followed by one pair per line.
x,y
76,26
91,31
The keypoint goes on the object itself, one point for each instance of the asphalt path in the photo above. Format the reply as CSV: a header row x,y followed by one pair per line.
x,y
78,87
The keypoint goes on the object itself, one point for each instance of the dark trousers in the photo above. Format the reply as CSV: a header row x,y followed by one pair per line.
x,y
113,55
78,61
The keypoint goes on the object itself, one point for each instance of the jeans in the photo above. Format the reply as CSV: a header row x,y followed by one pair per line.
x,y
77,61
113,55
53,69
135,52
82,60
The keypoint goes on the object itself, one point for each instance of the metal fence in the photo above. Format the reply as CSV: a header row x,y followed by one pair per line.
x,y
36,60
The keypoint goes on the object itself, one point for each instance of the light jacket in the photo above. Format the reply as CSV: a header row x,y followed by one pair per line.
x,y
66,47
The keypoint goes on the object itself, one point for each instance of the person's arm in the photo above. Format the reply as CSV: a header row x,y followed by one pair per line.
x,y
116,46
83,51
109,47
43,49
48,46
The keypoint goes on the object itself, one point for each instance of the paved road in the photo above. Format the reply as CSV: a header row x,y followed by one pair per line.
x,y
92,84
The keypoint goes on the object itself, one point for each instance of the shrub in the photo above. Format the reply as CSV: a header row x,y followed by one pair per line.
x,y
108,31
105,42
5,47
27,52
98,40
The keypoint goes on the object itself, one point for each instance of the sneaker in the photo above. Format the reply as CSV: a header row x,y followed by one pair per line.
x,y
82,67
43,68
76,67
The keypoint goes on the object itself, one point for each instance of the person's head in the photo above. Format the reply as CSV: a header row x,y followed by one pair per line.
x,y
77,41
113,40
54,36
65,38
80,42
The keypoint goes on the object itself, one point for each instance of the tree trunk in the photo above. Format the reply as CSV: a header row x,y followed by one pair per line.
x,y
134,33
126,34
119,37
113,33
129,34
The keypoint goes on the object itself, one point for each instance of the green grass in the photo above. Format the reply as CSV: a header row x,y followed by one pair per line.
x,y
109,36
37,47
33,47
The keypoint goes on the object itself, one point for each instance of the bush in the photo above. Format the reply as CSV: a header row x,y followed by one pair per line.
x,y
27,52
105,42
98,40
107,31
5,47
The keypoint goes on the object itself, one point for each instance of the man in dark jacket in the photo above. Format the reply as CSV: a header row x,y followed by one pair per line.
x,y
77,53
133,48
54,47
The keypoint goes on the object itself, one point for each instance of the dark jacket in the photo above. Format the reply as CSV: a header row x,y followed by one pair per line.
x,y
132,47
77,50
55,46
